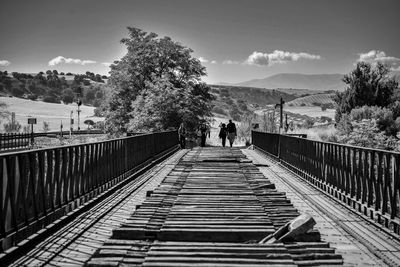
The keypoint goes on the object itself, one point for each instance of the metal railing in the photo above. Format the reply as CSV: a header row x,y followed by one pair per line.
x,y
366,179
40,186
14,141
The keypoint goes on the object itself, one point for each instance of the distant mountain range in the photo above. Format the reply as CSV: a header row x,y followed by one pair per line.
x,y
318,82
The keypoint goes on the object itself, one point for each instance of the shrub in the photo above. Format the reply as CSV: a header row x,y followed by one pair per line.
x,y
303,104
344,126
46,126
308,123
32,96
51,99
17,92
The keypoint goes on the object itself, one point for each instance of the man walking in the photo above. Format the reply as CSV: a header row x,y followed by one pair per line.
x,y
231,127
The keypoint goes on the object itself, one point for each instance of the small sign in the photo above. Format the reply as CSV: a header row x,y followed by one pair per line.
x,y
32,121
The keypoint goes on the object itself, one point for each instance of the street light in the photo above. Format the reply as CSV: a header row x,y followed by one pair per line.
x,y
79,103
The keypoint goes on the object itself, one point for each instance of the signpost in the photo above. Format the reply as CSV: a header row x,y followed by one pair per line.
x,y
32,121
79,103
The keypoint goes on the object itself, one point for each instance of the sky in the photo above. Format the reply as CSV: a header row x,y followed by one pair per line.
x,y
235,40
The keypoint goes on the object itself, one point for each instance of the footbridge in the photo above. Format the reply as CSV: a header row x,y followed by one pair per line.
x,y
142,201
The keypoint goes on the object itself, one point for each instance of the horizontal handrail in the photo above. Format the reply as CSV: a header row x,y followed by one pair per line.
x,y
42,185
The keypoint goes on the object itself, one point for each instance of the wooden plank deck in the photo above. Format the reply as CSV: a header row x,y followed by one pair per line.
x,y
211,210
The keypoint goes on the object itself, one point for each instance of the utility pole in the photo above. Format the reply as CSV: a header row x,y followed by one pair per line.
x,y
79,103
280,105
71,123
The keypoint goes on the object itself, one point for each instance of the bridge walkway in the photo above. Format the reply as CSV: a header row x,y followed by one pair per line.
x,y
210,207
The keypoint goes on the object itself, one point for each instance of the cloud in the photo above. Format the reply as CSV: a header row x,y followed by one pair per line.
x,y
230,62
277,57
4,63
62,60
213,62
374,56
107,64
203,60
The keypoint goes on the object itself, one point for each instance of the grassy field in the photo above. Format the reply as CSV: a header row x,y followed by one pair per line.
x,y
54,114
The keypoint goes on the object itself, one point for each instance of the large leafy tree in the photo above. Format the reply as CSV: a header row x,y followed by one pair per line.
x,y
156,85
367,85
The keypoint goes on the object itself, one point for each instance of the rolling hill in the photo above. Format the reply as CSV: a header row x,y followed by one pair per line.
x,y
312,100
319,82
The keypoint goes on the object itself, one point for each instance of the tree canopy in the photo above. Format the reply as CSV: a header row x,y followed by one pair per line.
x,y
367,85
156,85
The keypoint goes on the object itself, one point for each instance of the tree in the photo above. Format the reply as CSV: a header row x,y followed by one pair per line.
x,y
49,72
153,69
13,126
67,96
4,114
46,126
367,85
17,92
55,72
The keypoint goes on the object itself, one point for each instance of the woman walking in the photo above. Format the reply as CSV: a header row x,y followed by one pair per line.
x,y
223,133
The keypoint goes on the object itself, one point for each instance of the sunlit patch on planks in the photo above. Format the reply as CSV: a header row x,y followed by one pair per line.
x,y
212,210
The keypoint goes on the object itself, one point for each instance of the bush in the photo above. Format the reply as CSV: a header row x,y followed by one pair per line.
x,y
308,123
17,92
316,104
46,126
32,96
51,99
302,104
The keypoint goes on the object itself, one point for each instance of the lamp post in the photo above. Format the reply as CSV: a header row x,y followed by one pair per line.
x,y
79,103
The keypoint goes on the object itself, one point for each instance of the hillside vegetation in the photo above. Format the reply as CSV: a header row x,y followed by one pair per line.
x,y
237,102
54,87
313,100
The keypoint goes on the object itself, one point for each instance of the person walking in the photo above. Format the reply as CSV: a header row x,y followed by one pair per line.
x,y
204,131
223,133
231,127
198,135
182,135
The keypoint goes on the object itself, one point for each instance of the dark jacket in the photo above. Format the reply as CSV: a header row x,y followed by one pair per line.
x,y
222,132
231,127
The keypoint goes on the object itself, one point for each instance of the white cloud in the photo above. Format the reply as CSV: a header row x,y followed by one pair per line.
x,y
277,57
374,56
4,63
107,64
203,60
230,62
62,60
213,62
